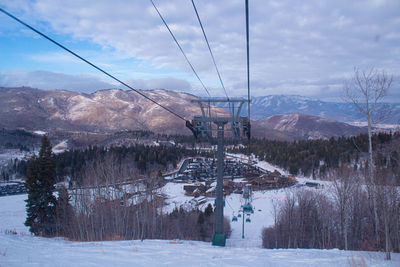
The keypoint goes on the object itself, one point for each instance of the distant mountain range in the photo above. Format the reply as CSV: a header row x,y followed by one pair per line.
x,y
114,110
264,106
300,126
103,111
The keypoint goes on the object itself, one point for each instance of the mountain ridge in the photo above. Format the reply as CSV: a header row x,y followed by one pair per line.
x,y
115,110
264,106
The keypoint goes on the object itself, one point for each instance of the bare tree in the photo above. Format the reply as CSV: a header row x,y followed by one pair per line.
x,y
274,213
365,90
343,187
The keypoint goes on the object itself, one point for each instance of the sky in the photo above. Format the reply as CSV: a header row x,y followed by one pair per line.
x,y
306,48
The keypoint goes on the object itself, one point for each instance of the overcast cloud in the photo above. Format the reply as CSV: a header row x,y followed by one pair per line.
x,y
164,83
297,47
51,80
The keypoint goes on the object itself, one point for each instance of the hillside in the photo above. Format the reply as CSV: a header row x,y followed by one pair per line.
x,y
109,111
300,126
264,106
19,248
102,111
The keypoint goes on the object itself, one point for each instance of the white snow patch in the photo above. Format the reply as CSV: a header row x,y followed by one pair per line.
x,y
60,147
176,197
40,132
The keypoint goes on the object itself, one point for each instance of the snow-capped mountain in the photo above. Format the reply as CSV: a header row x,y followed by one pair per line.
x,y
301,126
103,111
115,110
264,106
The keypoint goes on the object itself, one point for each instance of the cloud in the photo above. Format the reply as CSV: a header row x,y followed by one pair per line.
x,y
84,83
51,80
163,83
305,47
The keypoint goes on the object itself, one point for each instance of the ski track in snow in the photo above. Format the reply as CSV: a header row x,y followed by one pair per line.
x,y
23,249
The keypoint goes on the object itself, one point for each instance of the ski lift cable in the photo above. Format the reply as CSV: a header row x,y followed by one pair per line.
x,y
226,200
248,77
209,49
180,48
91,64
248,58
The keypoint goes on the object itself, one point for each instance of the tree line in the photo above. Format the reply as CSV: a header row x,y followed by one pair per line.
x,y
344,219
135,160
106,210
317,157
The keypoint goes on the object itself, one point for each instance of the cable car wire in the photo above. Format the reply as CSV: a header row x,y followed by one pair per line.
x,y
209,49
248,79
91,64
180,48
248,59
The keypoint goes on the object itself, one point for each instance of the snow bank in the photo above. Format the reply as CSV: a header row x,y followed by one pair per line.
x,y
16,250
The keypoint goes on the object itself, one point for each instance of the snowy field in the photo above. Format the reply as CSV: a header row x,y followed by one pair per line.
x,y
19,248
22,249
9,154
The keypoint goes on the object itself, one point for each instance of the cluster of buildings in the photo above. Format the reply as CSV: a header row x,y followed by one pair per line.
x,y
199,174
205,169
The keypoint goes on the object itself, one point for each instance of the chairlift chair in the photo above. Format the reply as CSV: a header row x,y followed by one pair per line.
x,y
248,208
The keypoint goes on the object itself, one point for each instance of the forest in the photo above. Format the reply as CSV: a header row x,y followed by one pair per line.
x,y
361,214
343,219
136,160
313,158
103,207
316,157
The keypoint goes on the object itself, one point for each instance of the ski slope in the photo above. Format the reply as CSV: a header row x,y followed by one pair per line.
x,y
22,249
19,248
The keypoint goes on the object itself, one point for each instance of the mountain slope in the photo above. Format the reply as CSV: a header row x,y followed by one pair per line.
x,y
103,111
115,110
265,106
19,248
301,126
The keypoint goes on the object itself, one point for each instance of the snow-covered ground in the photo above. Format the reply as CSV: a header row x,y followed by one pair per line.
x,y
10,154
19,248
22,249
263,202
60,147
262,217
12,215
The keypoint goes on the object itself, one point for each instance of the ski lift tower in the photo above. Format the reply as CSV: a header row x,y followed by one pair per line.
x,y
247,208
202,125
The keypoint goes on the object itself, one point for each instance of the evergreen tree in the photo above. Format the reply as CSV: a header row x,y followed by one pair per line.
x,y
41,202
208,211
65,212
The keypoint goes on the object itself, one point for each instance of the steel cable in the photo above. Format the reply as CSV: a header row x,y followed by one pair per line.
x,y
91,64
180,48
209,49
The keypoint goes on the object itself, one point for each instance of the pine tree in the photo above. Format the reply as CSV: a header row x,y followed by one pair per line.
x,y
41,202
65,212
208,211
